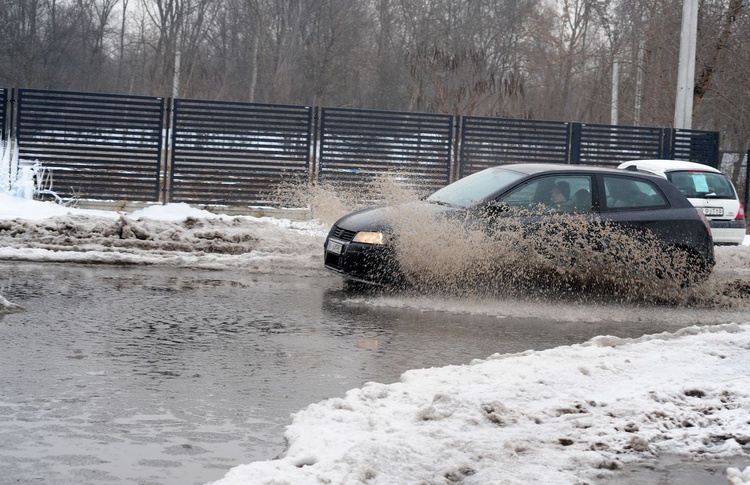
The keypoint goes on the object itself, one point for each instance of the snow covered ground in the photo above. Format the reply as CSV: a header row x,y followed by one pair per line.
x,y
572,414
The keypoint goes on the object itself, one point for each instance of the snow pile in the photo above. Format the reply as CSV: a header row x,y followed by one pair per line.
x,y
564,415
173,234
738,477
8,307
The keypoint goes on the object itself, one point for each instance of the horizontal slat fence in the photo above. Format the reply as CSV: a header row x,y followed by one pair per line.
x,y
699,146
95,146
358,145
491,141
611,145
237,153
149,149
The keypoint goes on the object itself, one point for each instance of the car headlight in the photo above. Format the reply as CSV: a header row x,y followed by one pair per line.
x,y
367,237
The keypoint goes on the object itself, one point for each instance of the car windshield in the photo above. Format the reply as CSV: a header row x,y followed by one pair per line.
x,y
475,188
698,184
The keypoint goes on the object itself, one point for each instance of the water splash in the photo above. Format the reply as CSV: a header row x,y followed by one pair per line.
x,y
328,202
563,256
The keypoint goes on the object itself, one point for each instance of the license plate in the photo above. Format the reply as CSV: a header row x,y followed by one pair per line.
x,y
713,211
334,247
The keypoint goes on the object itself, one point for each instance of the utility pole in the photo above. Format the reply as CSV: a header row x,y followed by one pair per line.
x,y
614,113
683,109
176,74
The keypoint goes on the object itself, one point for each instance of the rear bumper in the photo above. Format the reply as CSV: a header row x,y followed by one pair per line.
x,y
728,232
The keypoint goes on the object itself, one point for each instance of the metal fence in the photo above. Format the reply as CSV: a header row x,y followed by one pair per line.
x,y
356,146
96,146
492,141
234,153
137,148
611,145
698,146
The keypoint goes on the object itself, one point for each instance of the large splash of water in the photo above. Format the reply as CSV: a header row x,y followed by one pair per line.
x,y
562,256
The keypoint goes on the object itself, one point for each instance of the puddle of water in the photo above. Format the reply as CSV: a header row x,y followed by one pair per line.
x,y
173,375
676,470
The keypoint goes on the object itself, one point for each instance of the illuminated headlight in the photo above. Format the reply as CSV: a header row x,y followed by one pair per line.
x,y
369,237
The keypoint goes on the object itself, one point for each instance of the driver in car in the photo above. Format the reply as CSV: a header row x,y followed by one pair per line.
x,y
560,195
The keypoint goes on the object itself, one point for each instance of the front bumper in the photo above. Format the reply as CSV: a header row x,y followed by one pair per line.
x,y
365,263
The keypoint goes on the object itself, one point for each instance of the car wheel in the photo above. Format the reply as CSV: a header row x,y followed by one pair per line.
x,y
684,266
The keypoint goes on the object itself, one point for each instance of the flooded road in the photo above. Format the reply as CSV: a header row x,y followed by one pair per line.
x,y
142,374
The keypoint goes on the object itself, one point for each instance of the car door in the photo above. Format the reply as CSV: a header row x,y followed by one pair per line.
x,y
539,203
638,204
553,193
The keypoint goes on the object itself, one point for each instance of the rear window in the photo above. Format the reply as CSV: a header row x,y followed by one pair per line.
x,y
701,185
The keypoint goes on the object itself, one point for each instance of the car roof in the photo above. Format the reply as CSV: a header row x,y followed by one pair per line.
x,y
661,167
535,168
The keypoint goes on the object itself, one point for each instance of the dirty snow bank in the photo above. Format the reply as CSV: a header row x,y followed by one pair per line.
x,y
565,415
174,234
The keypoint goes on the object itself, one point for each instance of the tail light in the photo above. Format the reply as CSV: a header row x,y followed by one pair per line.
x,y
740,213
705,221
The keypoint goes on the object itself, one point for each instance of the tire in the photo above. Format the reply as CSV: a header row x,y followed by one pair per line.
x,y
685,267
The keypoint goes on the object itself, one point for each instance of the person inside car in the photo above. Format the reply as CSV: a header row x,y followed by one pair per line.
x,y
560,194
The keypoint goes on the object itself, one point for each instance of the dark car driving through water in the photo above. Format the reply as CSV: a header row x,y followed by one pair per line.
x,y
366,246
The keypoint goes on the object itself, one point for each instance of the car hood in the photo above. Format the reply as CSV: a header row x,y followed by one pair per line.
x,y
377,218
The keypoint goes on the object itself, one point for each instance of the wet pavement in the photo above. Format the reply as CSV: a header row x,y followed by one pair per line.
x,y
141,374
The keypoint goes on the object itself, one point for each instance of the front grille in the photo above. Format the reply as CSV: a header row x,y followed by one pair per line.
x,y
342,234
333,260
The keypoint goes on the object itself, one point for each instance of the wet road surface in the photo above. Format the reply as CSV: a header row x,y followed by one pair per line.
x,y
173,376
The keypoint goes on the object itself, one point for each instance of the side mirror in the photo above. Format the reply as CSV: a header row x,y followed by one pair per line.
x,y
495,209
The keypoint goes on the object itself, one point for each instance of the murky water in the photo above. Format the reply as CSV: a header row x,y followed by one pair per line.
x,y
166,375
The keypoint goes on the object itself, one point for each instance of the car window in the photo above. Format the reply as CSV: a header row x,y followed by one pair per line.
x,y
702,184
474,188
559,193
627,193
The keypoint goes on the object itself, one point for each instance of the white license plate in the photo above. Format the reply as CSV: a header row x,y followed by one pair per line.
x,y
334,247
713,211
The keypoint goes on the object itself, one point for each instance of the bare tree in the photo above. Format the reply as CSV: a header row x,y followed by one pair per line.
x,y
512,58
711,62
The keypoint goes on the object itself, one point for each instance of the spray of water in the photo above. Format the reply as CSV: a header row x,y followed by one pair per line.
x,y
328,202
561,256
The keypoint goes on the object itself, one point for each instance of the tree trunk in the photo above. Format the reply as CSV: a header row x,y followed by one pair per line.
x,y
703,83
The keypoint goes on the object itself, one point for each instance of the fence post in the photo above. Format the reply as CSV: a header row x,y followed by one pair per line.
x,y
314,141
671,143
13,122
575,144
667,140
454,166
4,141
716,155
747,182
168,147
